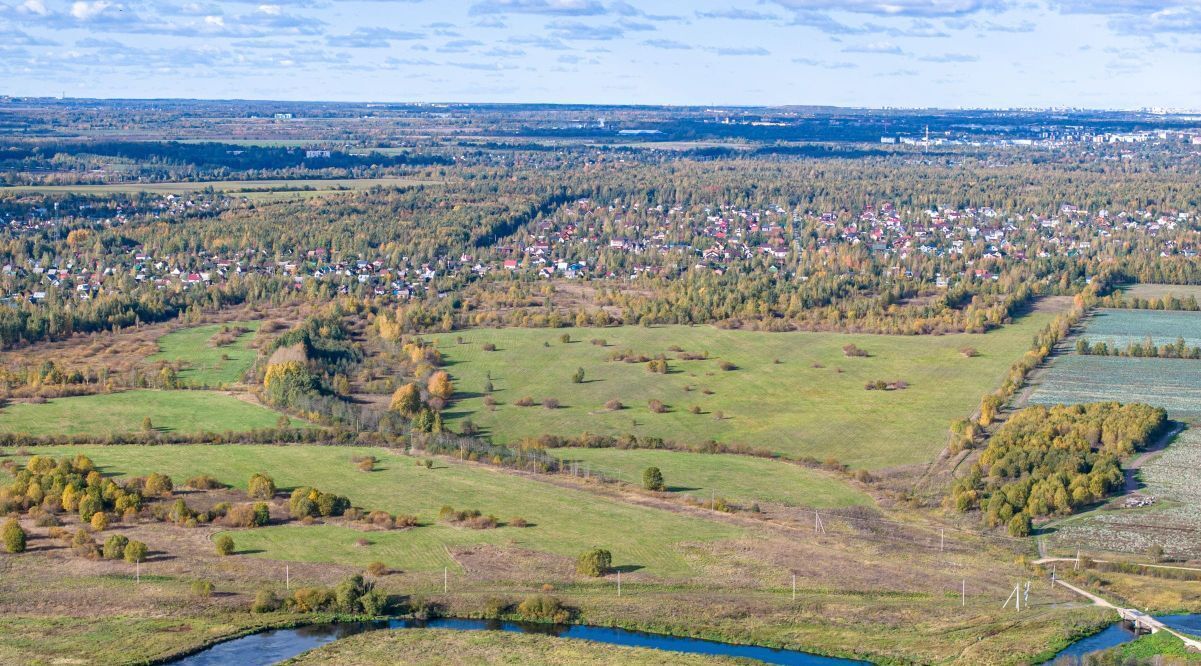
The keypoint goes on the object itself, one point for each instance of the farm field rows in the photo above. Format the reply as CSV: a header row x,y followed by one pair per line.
x,y
107,413
1173,477
564,521
1122,327
208,364
1173,384
736,478
797,394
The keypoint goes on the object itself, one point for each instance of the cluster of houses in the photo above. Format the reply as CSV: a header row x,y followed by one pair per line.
x,y
586,238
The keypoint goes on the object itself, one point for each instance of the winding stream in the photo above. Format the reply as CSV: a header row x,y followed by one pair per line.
x,y
269,647
272,646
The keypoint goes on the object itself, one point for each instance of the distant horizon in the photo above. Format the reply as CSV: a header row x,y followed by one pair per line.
x,y
1153,110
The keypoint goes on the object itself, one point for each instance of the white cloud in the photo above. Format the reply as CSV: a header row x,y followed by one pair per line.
x,y
86,11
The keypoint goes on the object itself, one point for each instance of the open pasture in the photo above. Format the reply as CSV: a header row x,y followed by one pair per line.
x,y
1173,478
798,394
1118,328
208,364
169,411
564,522
741,479
1173,384
1157,291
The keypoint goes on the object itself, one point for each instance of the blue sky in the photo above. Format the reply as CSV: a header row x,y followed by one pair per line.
x,y
947,53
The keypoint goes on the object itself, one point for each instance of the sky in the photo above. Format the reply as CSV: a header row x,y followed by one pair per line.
x,y
1125,54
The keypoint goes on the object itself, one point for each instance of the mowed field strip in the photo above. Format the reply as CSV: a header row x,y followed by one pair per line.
x,y
208,365
810,403
564,521
734,477
107,413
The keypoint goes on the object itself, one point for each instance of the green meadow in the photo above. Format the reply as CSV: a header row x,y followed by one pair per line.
x,y
169,411
796,394
741,479
563,521
207,364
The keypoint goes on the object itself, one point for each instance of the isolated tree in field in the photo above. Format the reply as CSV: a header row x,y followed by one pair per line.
x,y
147,424
578,377
14,537
225,545
406,400
260,486
135,551
652,479
440,385
596,562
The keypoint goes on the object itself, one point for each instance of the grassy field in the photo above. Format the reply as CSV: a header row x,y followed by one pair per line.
x,y
1152,291
442,646
208,365
737,478
811,403
565,522
169,411
221,186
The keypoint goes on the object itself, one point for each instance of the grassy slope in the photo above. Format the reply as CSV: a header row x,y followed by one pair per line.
x,y
170,411
565,522
441,646
738,478
206,365
790,407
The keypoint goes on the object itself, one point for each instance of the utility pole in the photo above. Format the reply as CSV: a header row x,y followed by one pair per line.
x,y
445,579
1077,567
619,582
1027,599
794,587
137,570
963,593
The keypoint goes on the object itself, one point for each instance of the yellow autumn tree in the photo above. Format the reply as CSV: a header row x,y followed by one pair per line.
x,y
440,385
406,400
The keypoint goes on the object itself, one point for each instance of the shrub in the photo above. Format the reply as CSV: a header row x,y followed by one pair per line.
x,y
578,376
657,406
525,401
99,521
726,365
595,562
377,569
489,347
89,506
613,405
1155,552
652,479
495,607
260,486
695,409
225,545
202,588
248,515
114,547
84,545
367,464
853,351
204,482
543,608
265,601
14,537
135,551
158,485
518,522
550,403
